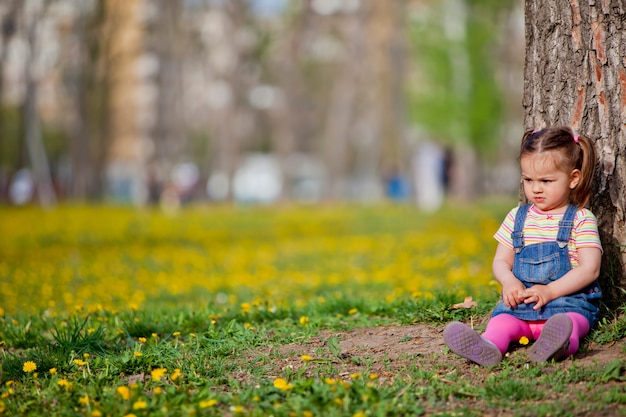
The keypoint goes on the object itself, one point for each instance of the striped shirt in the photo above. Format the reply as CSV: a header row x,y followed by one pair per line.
x,y
540,227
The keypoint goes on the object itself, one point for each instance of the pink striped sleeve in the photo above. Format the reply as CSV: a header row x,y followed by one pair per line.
x,y
586,230
503,235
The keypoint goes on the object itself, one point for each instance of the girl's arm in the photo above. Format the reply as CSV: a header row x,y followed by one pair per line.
x,y
573,281
502,267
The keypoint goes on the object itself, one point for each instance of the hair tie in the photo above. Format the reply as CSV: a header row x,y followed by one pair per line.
x,y
576,138
535,131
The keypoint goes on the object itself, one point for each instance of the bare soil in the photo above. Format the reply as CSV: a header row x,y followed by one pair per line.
x,y
394,353
394,348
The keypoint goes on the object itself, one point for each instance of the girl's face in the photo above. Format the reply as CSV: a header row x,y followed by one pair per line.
x,y
545,185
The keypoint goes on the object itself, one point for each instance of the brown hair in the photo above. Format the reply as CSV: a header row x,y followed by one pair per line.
x,y
574,151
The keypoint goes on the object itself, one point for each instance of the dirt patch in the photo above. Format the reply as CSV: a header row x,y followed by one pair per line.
x,y
392,352
407,355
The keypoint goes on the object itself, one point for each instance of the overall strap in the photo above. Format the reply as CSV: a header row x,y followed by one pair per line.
x,y
566,225
517,235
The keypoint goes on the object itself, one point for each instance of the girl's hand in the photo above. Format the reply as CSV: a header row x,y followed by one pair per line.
x,y
512,288
540,294
513,293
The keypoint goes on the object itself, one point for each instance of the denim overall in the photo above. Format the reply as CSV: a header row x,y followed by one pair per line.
x,y
544,262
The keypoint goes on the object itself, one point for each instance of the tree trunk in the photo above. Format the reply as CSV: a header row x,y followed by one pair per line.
x,y
340,111
574,75
129,132
32,126
170,141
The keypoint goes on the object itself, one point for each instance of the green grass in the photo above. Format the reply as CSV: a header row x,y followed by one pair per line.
x,y
212,349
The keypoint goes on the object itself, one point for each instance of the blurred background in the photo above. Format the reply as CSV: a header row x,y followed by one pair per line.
x,y
169,102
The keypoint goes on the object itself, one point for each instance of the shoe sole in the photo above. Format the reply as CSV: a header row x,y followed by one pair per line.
x,y
465,342
554,339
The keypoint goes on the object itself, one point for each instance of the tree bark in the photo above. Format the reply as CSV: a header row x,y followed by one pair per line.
x,y
574,75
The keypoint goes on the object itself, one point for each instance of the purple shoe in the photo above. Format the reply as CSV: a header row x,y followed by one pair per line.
x,y
465,342
554,339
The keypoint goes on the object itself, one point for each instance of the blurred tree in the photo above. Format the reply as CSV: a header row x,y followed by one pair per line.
x,y
456,97
340,107
574,75
345,93
230,43
33,138
129,100
87,84
9,154
167,47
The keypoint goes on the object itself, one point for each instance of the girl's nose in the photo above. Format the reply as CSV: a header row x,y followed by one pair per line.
x,y
536,187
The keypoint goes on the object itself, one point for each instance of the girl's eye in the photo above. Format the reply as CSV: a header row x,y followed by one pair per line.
x,y
546,181
527,180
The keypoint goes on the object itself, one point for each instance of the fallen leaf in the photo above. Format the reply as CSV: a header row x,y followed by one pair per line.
x,y
467,303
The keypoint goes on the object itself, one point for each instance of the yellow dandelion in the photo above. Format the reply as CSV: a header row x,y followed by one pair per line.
x,y
282,384
155,336
91,330
355,375
158,373
96,413
304,320
192,335
29,366
158,391
138,354
123,392
130,415
353,311
306,358
359,414
330,381
524,340
64,383
2,407
79,362
245,307
86,355
84,400
207,403
175,374
53,371
338,401
373,376
142,340
140,405
176,334
237,409
307,413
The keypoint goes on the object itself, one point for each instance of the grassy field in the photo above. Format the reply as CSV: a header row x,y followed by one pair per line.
x,y
109,311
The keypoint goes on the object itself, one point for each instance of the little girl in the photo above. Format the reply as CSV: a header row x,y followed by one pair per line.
x,y
547,259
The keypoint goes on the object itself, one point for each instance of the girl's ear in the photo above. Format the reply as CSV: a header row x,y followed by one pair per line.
x,y
574,179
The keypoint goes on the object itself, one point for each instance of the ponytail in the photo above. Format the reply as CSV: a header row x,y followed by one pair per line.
x,y
582,192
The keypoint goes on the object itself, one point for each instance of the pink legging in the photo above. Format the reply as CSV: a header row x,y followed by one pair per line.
x,y
504,329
